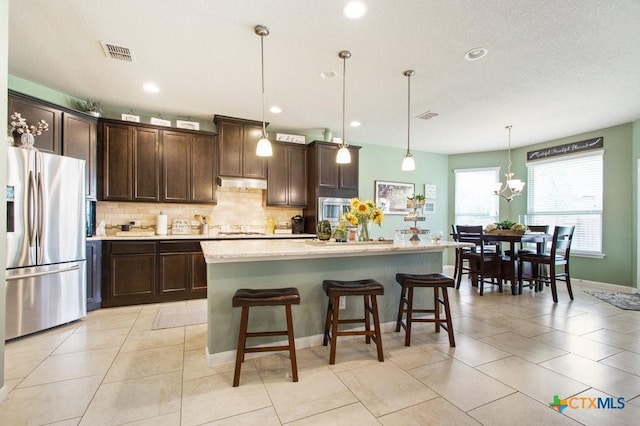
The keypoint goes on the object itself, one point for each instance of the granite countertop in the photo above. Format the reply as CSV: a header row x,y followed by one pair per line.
x,y
215,237
264,250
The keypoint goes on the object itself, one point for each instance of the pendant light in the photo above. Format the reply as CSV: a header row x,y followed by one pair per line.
x,y
408,163
263,149
344,156
513,186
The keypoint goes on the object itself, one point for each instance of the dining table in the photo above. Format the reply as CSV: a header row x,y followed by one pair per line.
x,y
510,263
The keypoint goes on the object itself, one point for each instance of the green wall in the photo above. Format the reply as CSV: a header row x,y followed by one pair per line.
x,y
383,163
618,265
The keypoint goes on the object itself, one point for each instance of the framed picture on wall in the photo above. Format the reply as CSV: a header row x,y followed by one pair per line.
x,y
429,206
429,191
391,197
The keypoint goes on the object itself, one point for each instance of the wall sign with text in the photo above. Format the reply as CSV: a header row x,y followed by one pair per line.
x,y
568,148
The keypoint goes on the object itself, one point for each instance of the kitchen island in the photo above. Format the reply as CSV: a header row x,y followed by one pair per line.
x,y
304,264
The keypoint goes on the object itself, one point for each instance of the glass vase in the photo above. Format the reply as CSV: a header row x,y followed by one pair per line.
x,y
363,231
27,140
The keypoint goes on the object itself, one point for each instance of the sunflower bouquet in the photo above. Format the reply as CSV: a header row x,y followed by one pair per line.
x,y
361,213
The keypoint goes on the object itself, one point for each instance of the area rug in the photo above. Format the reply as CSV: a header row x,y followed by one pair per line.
x,y
180,316
629,301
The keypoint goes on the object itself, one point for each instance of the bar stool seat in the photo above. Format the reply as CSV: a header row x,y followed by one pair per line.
x,y
369,289
247,298
439,284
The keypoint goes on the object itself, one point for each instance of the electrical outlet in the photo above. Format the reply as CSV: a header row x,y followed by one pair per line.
x,y
342,304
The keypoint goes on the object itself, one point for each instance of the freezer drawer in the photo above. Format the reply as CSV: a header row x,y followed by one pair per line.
x,y
43,297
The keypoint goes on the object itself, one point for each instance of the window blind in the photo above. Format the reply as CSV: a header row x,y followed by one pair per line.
x,y
475,202
569,191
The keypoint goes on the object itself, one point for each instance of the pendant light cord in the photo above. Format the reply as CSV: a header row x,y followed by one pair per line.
x,y
344,97
264,127
408,112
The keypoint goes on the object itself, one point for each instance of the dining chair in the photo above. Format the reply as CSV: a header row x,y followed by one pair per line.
x,y
483,262
558,256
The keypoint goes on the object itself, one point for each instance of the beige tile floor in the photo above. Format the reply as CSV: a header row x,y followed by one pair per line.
x,y
513,355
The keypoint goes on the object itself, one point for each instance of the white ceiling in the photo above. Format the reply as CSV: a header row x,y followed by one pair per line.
x,y
555,68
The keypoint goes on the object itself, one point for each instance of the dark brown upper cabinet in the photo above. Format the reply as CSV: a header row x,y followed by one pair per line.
x,y
328,178
33,110
237,142
130,162
287,175
71,133
79,140
149,163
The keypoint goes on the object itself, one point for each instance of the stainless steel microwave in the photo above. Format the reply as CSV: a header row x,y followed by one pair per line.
x,y
332,209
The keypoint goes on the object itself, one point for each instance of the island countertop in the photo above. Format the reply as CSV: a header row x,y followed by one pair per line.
x,y
257,250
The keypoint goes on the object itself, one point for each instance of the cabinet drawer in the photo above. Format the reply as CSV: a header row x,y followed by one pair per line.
x,y
133,247
179,246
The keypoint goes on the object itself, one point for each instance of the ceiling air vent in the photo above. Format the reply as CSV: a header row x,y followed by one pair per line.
x,y
117,52
428,115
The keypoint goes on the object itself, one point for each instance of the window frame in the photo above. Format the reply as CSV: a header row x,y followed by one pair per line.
x,y
494,213
595,252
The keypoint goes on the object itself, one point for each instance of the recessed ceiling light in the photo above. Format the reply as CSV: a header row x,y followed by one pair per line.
x,y
151,88
476,53
275,109
355,123
328,75
355,10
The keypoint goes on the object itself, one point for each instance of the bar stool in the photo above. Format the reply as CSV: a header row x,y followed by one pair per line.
x,y
438,282
367,288
247,298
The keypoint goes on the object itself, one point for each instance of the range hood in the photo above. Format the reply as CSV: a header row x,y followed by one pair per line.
x,y
240,182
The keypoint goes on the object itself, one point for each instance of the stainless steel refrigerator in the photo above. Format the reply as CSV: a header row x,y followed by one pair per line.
x,y
46,256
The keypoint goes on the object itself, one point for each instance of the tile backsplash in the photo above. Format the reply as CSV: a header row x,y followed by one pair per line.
x,y
236,207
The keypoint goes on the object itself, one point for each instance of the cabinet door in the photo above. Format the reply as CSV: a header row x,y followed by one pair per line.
x,y
116,164
94,275
278,176
230,148
130,273
175,273
203,169
33,112
328,171
199,278
176,169
146,166
349,172
252,165
297,175
79,141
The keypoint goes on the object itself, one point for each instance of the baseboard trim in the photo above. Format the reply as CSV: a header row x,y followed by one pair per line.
x,y
604,286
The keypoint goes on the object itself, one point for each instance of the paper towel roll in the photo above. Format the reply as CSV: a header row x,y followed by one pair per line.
x,y
161,224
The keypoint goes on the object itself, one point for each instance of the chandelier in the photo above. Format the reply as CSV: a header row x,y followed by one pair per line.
x,y
513,186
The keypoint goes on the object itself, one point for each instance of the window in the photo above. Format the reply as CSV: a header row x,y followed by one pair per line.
x,y
475,202
568,191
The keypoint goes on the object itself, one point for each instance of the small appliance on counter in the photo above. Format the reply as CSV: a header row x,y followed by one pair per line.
x,y
297,224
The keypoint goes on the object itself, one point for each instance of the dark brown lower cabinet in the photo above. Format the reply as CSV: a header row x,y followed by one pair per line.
x,y
138,272
94,275
182,269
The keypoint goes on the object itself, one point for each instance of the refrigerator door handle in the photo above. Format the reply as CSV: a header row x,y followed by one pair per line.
x,y
38,274
32,207
42,210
